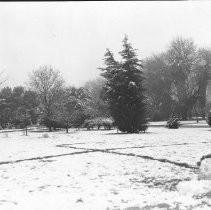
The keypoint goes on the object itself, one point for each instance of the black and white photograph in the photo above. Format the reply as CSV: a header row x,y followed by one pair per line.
x,y
105,105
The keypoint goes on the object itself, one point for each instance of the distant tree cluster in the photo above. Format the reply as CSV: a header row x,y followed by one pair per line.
x,y
61,106
176,81
129,91
49,102
18,107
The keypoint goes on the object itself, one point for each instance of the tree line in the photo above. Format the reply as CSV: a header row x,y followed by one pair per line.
x,y
48,101
129,91
177,79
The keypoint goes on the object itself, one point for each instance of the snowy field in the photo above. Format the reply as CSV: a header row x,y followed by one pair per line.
x,y
103,170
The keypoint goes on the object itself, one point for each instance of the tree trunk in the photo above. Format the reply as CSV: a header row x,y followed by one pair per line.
x,y
26,131
50,129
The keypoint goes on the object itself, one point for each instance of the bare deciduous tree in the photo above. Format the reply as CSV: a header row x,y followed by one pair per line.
x,y
48,83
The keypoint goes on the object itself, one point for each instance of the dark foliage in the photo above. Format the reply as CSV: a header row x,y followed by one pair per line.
x,y
124,89
173,123
52,123
18,107
78,118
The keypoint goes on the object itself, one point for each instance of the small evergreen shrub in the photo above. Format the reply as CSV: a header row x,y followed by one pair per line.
x,y
173,123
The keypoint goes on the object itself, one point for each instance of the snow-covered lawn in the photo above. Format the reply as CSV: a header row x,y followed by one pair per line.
x,y
103,170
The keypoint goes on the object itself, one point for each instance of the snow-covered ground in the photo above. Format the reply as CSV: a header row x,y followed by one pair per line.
x,y
103,170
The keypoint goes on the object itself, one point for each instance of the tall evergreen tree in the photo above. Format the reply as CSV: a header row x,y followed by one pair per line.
x,y
125,89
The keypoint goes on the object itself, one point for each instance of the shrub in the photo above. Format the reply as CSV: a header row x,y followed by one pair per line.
x,y
144,128
89,124
97,122
107,123
52,123
173,123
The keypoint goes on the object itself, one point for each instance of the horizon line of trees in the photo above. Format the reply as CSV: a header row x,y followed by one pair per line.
x,y
174,83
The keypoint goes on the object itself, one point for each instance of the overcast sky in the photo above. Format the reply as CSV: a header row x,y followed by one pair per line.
x,y
73,36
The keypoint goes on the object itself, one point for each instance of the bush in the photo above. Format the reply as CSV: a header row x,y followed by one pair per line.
x,y
89,124
52,123
107,123
144,128
209,119
173,123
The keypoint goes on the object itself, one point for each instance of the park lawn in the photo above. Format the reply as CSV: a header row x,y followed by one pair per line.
x,y
104,170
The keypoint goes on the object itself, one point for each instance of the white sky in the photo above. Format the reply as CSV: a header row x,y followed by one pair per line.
x,y
73,36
